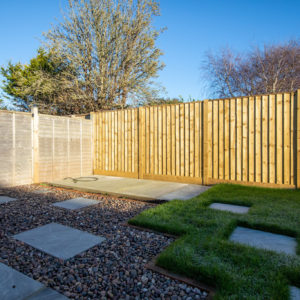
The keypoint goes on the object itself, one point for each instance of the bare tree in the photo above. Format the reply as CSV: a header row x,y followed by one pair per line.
x,y
111,44
275,68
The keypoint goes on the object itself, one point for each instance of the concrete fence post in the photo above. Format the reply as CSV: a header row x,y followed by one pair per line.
x,y
35,144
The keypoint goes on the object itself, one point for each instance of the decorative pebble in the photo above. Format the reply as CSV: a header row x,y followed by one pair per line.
x,y
111,270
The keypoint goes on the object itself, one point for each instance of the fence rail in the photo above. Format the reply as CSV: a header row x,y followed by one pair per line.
x,y
250,140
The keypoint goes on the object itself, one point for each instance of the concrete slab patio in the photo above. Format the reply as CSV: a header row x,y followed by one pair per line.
x,y
17,286
60,241
264,240
139,189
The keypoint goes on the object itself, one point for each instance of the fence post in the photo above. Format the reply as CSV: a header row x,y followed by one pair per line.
x,y
94,143
141,142
297,113
35,143
205,143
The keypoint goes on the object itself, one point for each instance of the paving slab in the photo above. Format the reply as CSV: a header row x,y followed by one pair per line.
x,y
76,203
6,199
238,209
187,192
58,240
151,188
47,294
133,188
17,286
265,240
294,293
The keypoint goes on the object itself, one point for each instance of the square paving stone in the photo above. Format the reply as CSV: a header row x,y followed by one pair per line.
x,y
6,199
238,209
265,240
17,286
58,240
295,293
76,203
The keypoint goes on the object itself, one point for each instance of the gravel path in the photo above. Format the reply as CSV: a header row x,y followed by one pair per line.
x,y
113,270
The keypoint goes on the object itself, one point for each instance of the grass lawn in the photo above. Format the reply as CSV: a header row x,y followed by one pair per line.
x,y
203,251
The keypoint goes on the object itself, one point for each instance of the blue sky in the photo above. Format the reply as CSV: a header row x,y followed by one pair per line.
x,y
193,27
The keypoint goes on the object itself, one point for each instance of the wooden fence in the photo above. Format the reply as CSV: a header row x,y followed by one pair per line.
x,y
39,148
248,140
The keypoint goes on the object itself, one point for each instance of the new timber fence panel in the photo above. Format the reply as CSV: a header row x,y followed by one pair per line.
x,y
38,148
155,142
260,133
171,142
251,140
116,150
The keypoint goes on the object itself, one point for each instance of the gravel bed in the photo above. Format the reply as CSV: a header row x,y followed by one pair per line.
x,y
115,269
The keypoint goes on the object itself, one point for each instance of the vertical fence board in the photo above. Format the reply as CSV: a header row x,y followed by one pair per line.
x,y
265,156
251,150
226,140
286,138
197,136
173,139
152,120
239,140
208,140
221,139
279,138
215,145
169,141
164,141
177,133
192,140
292,139
245,139
272,139
232,139
258,139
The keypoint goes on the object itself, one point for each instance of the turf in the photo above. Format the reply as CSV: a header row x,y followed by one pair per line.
x,y
203,251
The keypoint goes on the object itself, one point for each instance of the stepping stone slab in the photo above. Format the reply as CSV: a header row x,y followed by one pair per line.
x,y
238,209
265,240
47,294
6,199
294,293
58,240
17,286
76,203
